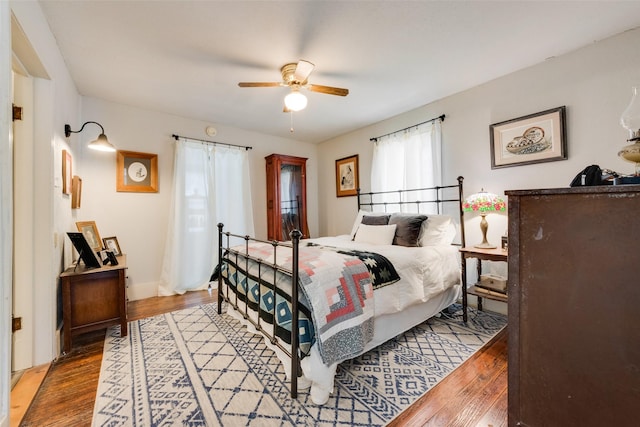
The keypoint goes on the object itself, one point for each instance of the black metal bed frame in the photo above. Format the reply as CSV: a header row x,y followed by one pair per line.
x,y
438,200
225,250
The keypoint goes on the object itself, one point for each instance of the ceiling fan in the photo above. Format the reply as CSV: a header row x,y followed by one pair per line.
x,y
295,76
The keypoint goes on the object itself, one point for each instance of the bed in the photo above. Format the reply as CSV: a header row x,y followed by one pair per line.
x,y
346,294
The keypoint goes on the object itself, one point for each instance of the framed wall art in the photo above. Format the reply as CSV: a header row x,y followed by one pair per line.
x,y
66,172
76,192
136,172
90,232
347,176
536,138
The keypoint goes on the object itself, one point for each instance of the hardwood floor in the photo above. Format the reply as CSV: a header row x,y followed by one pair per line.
x,y
68,392
475,394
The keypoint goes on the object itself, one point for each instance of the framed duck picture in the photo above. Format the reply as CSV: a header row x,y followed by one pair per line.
x,y
347,176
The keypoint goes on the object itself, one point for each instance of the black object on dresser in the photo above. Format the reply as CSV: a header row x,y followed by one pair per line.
x,y
574,303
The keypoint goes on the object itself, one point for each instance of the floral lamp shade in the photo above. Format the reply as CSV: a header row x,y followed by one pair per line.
x,y
484,203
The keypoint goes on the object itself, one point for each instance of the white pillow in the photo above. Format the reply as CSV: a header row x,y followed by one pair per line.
x,y
375,234
358,220
437,230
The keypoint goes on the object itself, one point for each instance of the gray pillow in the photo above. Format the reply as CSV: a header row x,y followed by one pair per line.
x,y
408,228
375,219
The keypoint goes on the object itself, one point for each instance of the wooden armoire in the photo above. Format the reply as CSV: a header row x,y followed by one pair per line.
x,y
286,196
574,306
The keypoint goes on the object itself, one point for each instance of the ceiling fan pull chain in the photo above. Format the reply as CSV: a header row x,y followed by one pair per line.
x,y
291,129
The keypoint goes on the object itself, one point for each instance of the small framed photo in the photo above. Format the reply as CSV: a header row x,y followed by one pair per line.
x,y
536,138
66,172
76,192
90,232
137,172
347,176
111,244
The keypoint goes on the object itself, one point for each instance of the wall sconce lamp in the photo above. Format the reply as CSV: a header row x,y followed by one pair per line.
x,y
484,203
100,144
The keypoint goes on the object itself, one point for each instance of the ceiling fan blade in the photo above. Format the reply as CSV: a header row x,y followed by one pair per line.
x,y
303,69
259,84
328,90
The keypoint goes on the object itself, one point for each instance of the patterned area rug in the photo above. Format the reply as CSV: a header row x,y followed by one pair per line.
x,y
194,367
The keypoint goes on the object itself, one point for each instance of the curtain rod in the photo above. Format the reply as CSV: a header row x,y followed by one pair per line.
x,y
176,137
441,118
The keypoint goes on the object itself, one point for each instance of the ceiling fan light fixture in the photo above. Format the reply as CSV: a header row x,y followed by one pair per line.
x,y
295,101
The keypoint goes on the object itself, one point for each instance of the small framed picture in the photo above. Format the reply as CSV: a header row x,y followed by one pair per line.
x,y
137,172
347,176
536,138
111,244
90,232
76,192
66,172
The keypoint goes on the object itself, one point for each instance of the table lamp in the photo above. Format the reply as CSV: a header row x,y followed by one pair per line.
x,y
484,203
630,120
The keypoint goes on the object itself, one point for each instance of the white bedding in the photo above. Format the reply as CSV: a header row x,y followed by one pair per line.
x,y
428,279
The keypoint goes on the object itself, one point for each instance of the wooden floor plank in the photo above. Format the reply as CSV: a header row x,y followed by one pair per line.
x,y
436,407
475,394
24,392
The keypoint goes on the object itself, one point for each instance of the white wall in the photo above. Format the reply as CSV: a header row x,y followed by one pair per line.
x,y
139,220
595,85
56,102
6,231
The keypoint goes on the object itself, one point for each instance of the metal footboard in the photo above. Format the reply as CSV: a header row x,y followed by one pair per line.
x,y
225,253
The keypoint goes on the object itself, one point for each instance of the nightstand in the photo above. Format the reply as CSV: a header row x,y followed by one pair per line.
x,y
93,298
480,255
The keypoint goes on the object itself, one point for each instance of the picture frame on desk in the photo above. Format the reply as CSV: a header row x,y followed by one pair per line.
x,y
111,244
90,232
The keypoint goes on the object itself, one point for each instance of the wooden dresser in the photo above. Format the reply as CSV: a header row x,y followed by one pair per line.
x,y
93,298
574,306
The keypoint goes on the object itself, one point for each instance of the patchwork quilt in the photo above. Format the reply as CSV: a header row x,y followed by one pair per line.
x,y
336,298
382,271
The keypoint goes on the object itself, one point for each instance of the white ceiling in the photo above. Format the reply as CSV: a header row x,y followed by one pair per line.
x,y
186,57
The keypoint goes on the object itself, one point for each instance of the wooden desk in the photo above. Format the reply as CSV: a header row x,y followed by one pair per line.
x,y
497,254
93,298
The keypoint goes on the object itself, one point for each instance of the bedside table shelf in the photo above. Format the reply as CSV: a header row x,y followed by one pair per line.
x,y
487,293
499,255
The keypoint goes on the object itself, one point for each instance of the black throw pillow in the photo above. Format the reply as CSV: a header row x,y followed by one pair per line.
x,y
408,228
375,219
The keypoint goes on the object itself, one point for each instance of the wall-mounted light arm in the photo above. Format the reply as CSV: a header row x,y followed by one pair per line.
x,y
100,144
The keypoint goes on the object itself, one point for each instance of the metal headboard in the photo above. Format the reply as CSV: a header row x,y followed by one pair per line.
x,y
418,199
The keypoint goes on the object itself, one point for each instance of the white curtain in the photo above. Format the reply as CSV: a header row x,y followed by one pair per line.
x,y
408,159
211,185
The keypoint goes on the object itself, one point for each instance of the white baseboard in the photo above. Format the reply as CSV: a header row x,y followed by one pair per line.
x,y
58,341
142,291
